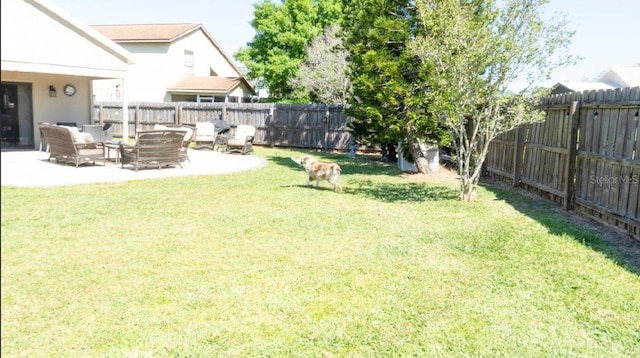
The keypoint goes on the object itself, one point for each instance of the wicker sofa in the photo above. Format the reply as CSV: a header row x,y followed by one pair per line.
x,y
69,145
189,136
154,148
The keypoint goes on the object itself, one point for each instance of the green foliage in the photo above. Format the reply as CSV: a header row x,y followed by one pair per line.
x,y
390,83
476,50
283,32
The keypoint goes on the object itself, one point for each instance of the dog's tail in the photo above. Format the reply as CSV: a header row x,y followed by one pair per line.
x,y
337,167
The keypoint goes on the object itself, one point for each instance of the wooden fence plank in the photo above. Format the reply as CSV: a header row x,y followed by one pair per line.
x,y
636,134
619,135
276,124
633,211
596,130
588,158
573,119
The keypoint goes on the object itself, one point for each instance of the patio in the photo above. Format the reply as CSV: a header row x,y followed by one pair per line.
x,y
30,168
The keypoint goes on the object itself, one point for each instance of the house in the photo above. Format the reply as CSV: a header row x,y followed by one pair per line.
x,y
48,62
174,62
615,77
578,86
622,76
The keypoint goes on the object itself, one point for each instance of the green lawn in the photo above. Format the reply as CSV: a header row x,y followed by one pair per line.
x,y
256,264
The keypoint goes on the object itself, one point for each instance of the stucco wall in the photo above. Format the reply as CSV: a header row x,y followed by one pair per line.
x,y
34,39
61,108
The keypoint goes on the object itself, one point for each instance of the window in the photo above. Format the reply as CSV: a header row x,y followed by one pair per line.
x,y
188,63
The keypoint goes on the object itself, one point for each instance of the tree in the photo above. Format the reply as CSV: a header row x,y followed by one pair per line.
x,y
323,72
476,50
389,82
283,32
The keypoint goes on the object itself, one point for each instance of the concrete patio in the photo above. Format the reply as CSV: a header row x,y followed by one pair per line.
x,y
30,168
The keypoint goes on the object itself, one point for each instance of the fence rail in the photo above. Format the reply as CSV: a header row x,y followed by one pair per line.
x,y
584,156
284,125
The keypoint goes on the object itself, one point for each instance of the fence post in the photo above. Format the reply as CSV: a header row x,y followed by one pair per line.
x,y
570,168
517,159
178,109
325,121
224,111
100,114
136,121
270,129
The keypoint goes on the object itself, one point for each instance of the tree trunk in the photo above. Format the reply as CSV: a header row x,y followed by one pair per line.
x,y
391,152
388,152
468,188
422,164
470,170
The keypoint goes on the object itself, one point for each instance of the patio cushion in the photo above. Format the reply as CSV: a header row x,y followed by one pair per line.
x,y
77,137
188,130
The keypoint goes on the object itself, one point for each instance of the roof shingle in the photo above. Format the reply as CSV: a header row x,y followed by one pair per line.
x,y
145,32
206,84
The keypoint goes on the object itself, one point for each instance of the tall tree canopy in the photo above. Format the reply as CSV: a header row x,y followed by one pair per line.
x,y
283,32
475,50
420,66
389,82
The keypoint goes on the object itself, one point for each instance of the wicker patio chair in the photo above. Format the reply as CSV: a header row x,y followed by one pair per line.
x,y
107,132
205,135
154,148
95,130
242,141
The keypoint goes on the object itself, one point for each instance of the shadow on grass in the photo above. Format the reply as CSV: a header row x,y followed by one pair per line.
x,y
621,250
370,166
401,192
409,192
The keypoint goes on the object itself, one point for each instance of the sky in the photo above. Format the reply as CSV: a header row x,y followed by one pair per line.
x,y
607,32
227,21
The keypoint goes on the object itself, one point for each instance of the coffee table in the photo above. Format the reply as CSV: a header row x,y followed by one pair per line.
x,y
108,147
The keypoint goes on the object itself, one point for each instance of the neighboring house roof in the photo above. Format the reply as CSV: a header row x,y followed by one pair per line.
x,y
569,86
27,50
622,76
206,84
164,33
146,33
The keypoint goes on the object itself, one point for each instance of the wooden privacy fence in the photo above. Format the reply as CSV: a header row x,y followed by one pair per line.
x,y
285,125
584,156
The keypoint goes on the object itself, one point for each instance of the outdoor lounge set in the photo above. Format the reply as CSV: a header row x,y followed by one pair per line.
x,y
165,145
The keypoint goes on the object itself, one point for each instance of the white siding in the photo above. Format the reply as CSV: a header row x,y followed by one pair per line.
x,y
35,40
152,73
206,55
160,65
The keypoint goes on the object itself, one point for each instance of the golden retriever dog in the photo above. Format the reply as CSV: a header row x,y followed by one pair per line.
x,y
317,171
